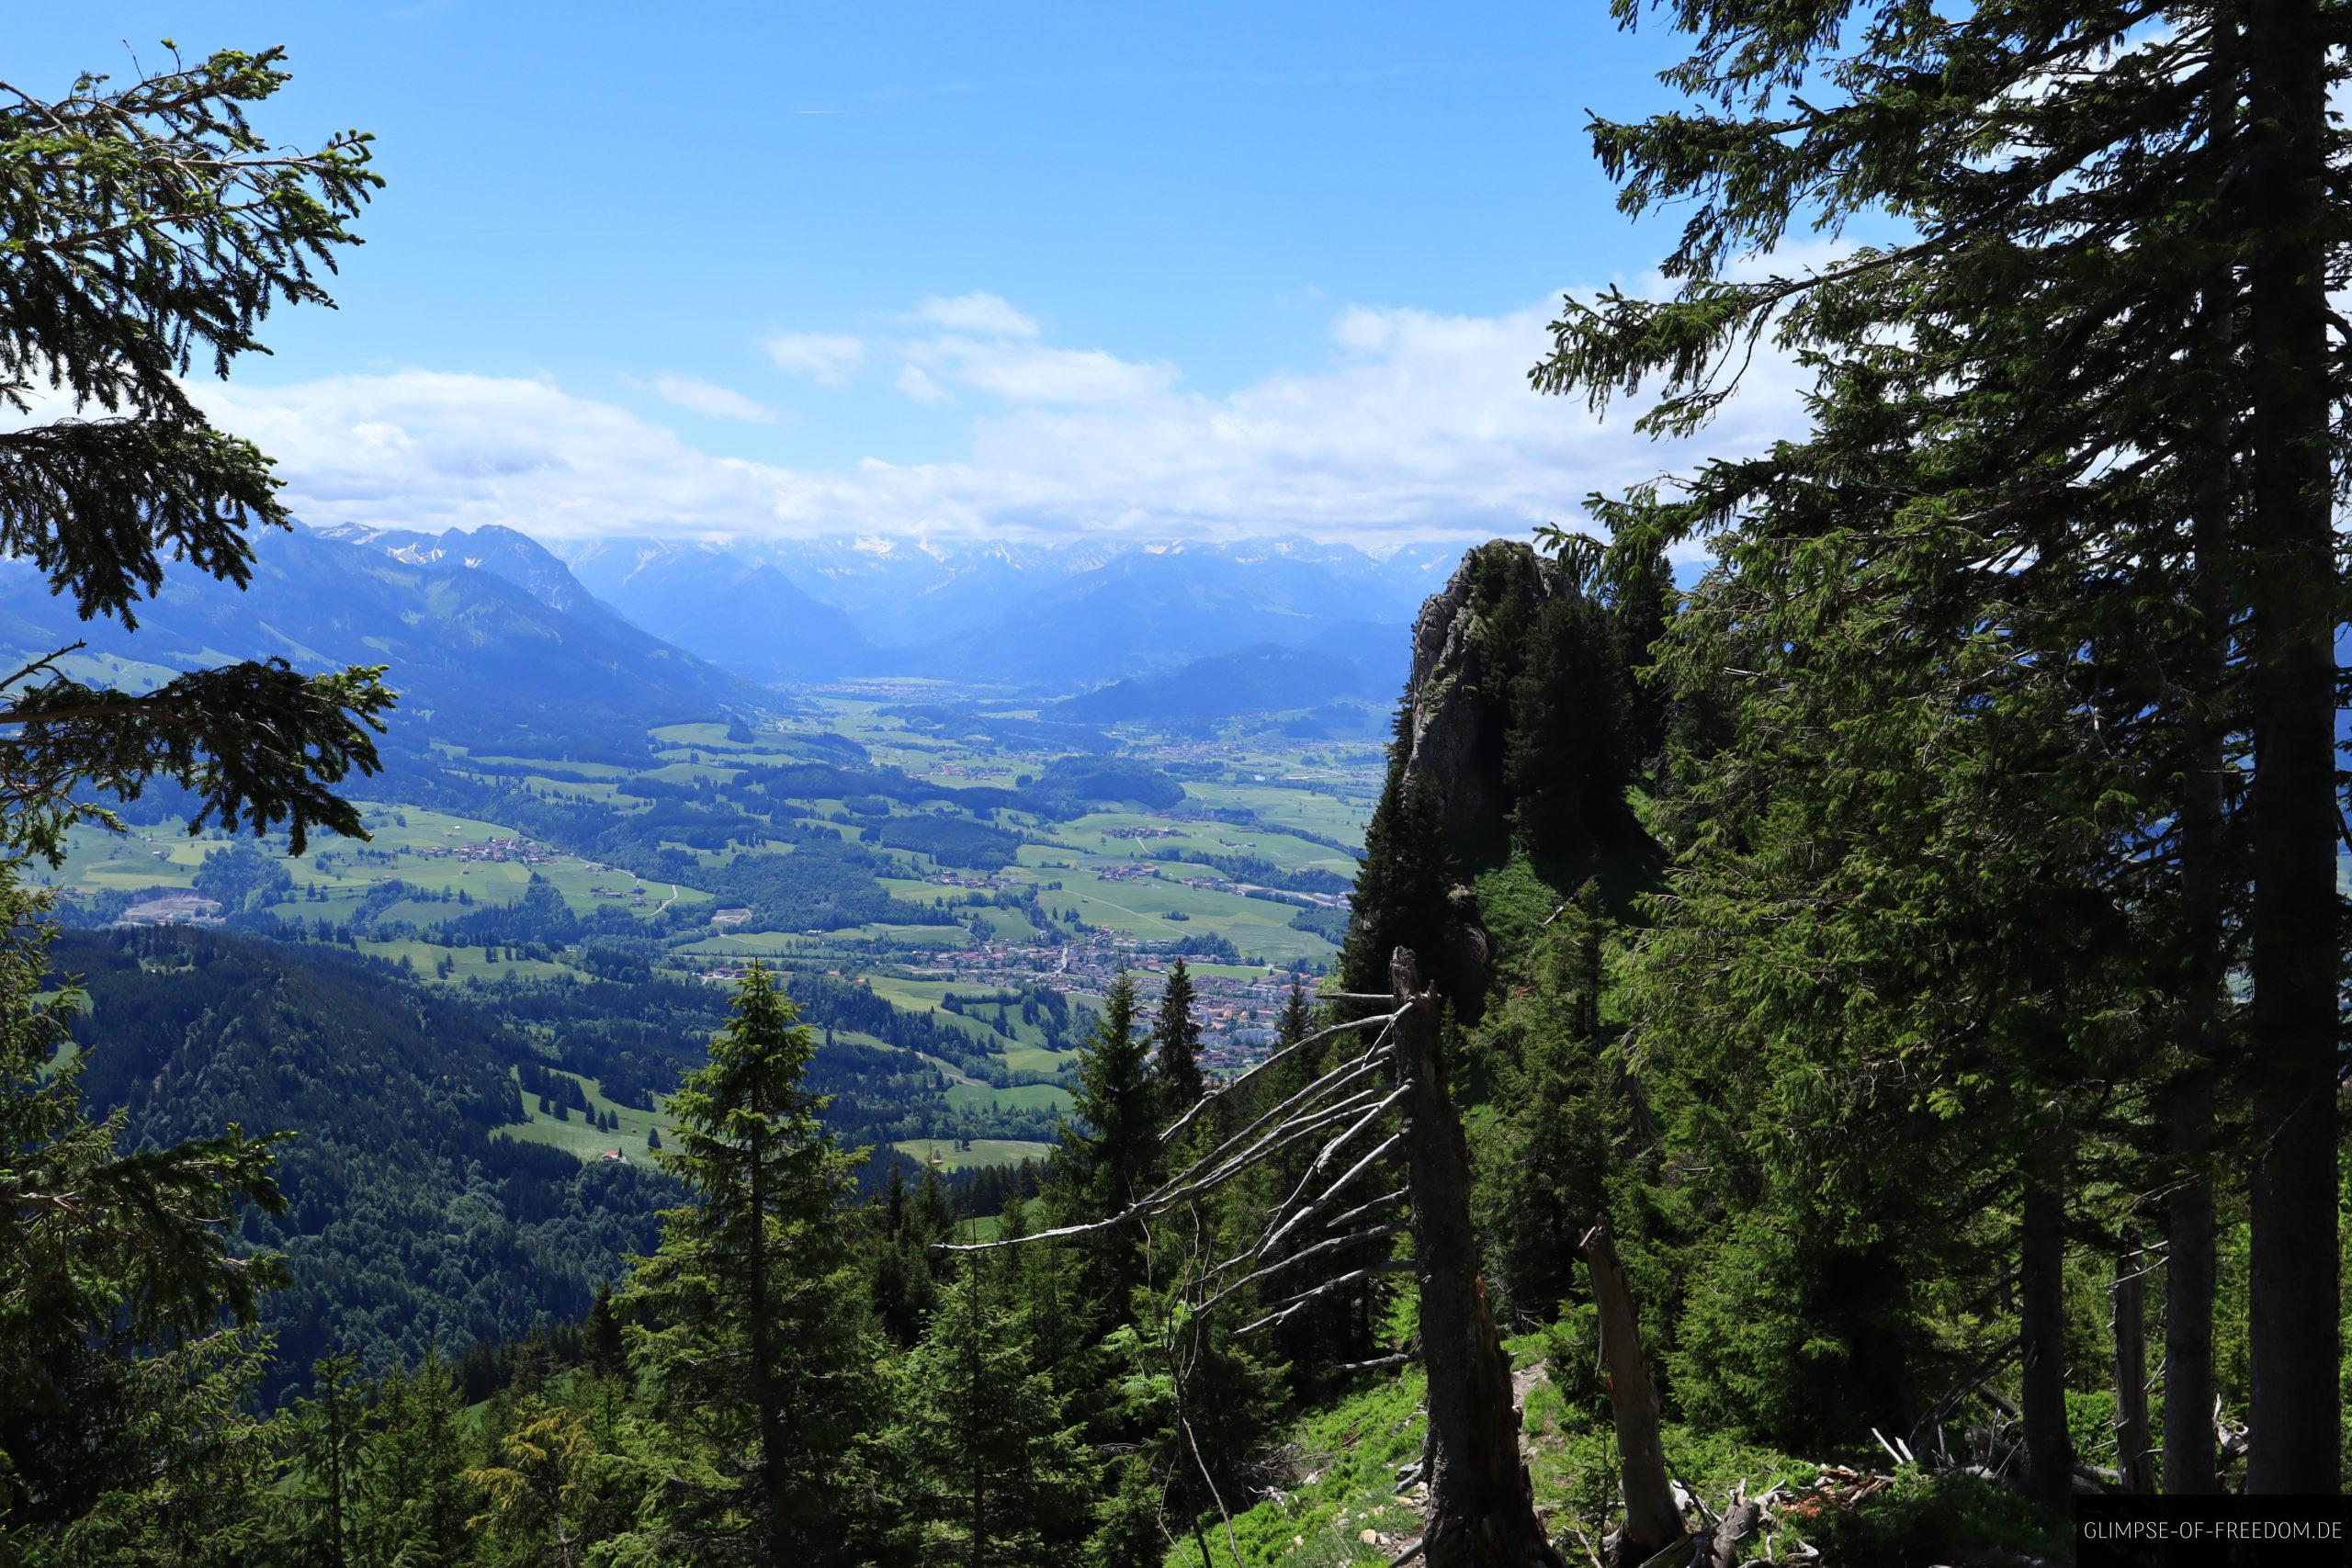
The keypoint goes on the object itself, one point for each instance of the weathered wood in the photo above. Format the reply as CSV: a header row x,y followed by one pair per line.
x,y
2135,1459
1739,1524
1653,1520
2190,1272
1481,1509
1292,1305
2041,1334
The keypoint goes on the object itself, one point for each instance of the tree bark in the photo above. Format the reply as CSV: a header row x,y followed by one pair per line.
x,y
2041,1324
2189,1296
1653,1521
1482,1510
2135,1459
2190,1235
2291,925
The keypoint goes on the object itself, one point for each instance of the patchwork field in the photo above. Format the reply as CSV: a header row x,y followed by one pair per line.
x,y
1029,898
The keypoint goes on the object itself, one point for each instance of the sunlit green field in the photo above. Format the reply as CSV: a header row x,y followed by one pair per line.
x,y
575,1136
424,960
984,1151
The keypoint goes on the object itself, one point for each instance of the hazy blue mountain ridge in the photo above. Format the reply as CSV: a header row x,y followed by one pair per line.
x,y
1263,679
479,660
743,614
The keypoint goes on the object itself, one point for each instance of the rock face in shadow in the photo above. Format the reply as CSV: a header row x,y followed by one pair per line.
x,y
1463,652
1460,705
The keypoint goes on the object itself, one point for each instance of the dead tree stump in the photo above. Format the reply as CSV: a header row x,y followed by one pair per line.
x,y
1481,1509
1653,1520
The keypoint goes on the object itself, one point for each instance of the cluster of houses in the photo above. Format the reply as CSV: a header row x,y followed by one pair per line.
x,y
171,908
523,852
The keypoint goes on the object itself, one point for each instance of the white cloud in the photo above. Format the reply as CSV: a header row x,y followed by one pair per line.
x,y
1031,373
990,315
916,384
1418,425
698,396
826,357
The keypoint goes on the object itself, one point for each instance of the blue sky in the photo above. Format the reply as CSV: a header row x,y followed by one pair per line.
x,y
993,269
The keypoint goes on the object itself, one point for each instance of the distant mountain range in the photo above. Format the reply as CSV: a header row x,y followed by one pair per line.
x,y
741,614
1039,614
493,645
497,642
1263,678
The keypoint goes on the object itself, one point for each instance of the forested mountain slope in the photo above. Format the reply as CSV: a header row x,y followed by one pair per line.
x,y
500,551
411,1221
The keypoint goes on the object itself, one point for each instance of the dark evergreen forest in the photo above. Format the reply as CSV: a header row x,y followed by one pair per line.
x,y
1839,1061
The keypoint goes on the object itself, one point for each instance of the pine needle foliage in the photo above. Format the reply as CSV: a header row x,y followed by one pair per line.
x,y
146,229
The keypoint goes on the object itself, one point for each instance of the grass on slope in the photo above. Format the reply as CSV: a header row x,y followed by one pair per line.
x,y
574,1135
1348,1456
984,1151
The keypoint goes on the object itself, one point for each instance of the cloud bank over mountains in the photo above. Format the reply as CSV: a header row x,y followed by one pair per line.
x,y
1416,424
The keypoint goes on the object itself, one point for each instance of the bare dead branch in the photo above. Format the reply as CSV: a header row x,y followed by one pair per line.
x,y
1301,1256
1304,1298
1178,1125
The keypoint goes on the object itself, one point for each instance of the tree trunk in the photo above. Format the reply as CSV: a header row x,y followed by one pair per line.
x,y
1482,1510
2042,1322
2188,1268
1652,1522
2135,1459
2189,1297
2291,1299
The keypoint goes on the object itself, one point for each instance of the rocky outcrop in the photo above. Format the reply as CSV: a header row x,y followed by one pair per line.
x,y
1464,657
1460,707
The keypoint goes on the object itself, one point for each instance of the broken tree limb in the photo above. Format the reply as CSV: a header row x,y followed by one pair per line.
x,y
1303,1125
1301,1256
1379,1152
1481,1507
1652,1520
1300,1044
1360,1209
1345,1073
1191,1182
1306,1298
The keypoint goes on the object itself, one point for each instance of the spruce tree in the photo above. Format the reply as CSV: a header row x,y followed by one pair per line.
x,y
1110,1149
328,1431
748,1321
1402,887
901,1273
1176,1036
151,229
113,1257
414,1500
2089,199
148,225
999,1477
